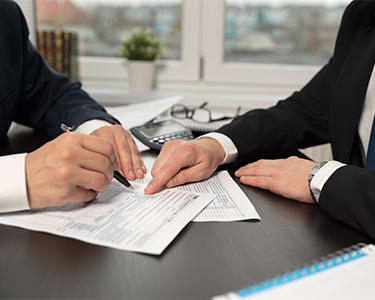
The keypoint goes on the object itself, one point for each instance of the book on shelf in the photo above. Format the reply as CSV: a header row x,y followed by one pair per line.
x,y
59,67
66,58
60,49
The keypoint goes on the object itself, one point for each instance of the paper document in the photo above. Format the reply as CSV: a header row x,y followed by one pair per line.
x,y
119,218
230,203
136,114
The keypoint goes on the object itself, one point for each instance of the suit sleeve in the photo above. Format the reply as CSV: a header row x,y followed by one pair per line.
x,y
48,98
349,196
298,122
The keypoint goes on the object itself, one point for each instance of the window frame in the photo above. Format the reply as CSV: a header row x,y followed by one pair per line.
x,y
252,74
113,70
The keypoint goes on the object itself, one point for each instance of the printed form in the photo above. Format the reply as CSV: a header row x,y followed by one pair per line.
x,y
230,202
119,218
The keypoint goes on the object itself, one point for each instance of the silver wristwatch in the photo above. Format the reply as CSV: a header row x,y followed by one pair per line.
x,y
312,173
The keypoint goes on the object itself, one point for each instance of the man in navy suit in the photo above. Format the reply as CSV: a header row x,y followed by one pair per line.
x,y
337,106
72,167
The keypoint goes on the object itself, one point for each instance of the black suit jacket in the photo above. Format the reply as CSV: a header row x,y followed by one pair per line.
x,y
32,93
327,109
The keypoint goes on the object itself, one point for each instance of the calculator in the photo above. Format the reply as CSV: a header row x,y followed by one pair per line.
x,y
155,134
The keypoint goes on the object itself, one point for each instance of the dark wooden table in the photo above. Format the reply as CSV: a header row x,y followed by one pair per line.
x,y
206,259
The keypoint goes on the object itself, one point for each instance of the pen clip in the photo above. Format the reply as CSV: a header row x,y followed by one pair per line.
x,y
66,128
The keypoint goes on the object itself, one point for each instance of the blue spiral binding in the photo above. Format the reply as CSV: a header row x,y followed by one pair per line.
x,y
327,262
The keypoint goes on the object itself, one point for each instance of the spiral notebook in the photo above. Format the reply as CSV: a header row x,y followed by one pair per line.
x,y
346,274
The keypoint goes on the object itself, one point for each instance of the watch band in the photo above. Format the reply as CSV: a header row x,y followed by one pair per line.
x,y
312,173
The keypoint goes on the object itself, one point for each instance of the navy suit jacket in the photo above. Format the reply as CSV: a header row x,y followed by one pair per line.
x,y
326,110
31,92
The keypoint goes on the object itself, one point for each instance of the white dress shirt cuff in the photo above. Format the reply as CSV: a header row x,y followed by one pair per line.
x,y
230,149
91,125
322,176
13,193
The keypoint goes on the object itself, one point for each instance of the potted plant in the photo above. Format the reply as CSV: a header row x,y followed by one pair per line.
x,y
141,49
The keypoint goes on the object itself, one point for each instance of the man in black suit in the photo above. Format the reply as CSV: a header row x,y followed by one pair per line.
x,y
336,106
72,167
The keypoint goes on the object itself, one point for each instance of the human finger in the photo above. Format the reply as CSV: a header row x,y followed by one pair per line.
x,y
185,161
285,177
192,174
167,152
258,166
174,156
100,146
131,162
129,158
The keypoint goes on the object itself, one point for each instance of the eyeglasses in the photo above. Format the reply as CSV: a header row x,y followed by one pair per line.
x,y
199,114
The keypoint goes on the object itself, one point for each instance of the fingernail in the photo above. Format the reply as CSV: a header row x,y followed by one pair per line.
x,y
139,171
131,174
144,169
148,189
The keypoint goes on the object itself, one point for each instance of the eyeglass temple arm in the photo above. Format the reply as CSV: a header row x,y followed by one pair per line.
x,y
203,104
238,111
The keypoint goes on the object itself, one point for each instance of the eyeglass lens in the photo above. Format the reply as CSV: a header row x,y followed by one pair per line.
x,y
179,111
202,115
198,114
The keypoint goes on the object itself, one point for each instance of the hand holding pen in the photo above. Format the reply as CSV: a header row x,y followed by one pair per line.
x,y
116,174
73,167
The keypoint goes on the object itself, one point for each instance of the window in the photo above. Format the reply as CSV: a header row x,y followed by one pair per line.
x,y
269,43
102,24
281,32
251,44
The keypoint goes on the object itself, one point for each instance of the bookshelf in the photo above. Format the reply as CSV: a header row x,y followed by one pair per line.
x,y
60,49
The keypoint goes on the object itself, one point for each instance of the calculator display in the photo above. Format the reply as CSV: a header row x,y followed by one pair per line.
x,y
162,130
156,134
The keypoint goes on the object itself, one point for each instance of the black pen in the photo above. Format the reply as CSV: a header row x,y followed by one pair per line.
x,y
116,174
122,179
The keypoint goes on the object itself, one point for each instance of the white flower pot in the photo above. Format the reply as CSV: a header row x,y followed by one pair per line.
x,y
141,75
